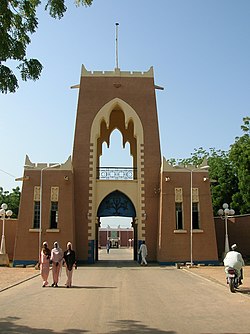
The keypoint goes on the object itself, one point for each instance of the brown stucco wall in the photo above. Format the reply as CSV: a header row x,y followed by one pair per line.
x,y
238,232
174,245
27,248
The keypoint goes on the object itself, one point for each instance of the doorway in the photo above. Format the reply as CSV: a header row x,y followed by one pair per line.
x,y
116,238
116,232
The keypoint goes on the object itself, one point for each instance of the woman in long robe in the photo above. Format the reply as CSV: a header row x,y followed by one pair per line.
x,y
56,258
70,260
45,263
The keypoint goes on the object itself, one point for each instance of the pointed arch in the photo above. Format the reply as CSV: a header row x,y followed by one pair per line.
x,y
104,114
116,204
117,114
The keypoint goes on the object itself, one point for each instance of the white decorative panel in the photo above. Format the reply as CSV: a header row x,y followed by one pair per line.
x,y
54,194
195,193
178,195
36,194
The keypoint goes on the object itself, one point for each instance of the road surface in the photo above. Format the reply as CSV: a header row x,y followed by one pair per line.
x,y
122,297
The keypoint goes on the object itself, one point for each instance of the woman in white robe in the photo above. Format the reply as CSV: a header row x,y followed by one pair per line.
x,y
56,258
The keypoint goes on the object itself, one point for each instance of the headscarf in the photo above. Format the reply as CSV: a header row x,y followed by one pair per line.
x,y
69,249
234,247
56,244
46,250
57,253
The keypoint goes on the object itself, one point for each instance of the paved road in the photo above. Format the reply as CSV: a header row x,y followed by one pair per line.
x,y
122,297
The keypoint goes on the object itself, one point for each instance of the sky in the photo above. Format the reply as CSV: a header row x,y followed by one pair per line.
x,y
200,51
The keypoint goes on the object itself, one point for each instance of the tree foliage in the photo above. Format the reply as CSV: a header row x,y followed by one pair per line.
x,y
240,156
224,181
229,172
18,21
11,199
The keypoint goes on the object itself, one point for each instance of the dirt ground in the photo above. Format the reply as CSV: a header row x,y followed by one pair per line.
x,y
12,276
217,274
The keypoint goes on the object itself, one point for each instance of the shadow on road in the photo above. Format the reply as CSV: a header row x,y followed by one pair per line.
x,y
92,287
244,291
116,263
122,264
81,287
135,327
8,325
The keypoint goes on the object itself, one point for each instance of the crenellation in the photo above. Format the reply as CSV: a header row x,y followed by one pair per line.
x,y
117,73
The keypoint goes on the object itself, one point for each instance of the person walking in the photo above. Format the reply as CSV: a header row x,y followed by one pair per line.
x,y
70,260
56,258
143,251
44,262
108,246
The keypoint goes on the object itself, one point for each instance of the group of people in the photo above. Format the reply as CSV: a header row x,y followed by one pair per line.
x,y
57,258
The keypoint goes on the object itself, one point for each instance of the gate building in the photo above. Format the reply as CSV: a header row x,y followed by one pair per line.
x,y
170,206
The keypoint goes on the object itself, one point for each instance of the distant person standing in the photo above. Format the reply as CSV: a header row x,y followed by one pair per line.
x,y
143,251
44,262
56,258
108,246
70,260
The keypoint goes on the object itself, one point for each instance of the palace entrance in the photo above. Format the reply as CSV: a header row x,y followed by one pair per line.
x,y
117,236
116,170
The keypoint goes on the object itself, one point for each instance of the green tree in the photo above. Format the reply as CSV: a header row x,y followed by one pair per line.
x,y
240,156
224,181
3,195
18,21
221,172
11,199
196,158
229,172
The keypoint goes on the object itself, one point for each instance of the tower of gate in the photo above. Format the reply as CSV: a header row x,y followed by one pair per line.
x,y
124,101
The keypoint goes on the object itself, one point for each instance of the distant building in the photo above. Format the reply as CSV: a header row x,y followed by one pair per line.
x,y
118,237
155,195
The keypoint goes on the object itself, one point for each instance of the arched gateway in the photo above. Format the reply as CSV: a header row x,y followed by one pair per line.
x,y
117,204
68,204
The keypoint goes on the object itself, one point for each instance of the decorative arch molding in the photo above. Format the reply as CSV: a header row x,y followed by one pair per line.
x,y
104,115
116,204
132,132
